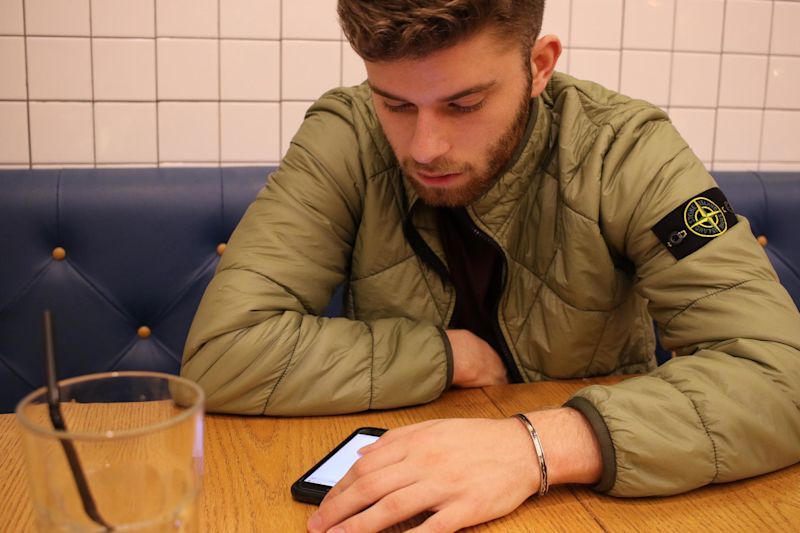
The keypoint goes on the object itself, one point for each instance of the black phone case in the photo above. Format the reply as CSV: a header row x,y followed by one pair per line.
x,y
306,492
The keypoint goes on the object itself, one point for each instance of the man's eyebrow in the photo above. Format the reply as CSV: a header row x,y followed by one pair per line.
x,y
460,94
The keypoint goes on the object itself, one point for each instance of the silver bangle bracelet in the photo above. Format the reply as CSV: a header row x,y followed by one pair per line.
x,y
537,445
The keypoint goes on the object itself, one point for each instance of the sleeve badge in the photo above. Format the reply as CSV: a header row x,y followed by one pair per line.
x,y
695,223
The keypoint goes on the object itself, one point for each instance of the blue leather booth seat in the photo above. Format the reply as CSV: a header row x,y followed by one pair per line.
x,y
140,246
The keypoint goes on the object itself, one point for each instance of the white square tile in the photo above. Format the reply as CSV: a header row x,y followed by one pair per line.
x,y
310,68
123,18
250,19
596,24
188,69
726,166
250,70
784,83
187,18
698,25
59,68
599,66
785,23
696,126
14,133
11,22
353,70
12,67
556,20
124,69
250,132
743,80
779,167
747,25
645,75
59,17
310,19
738,134
781,140
62,132
292,115
695,78
648,24
125,133
188,132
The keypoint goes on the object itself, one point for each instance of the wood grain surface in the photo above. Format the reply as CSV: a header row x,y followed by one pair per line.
x,y
250,463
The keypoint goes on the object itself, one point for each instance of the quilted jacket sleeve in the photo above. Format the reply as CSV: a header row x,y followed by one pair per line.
x,y
729,407
258,345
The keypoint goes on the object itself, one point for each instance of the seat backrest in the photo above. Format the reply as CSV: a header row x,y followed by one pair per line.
x,y
140,247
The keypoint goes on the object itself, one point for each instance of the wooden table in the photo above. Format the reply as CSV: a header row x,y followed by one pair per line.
x,y
250,463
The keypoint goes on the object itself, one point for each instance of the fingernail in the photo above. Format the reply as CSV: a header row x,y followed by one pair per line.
x,y
337,530
314,523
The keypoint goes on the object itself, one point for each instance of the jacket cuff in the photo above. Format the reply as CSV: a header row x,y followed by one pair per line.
x,y
448,351
607,453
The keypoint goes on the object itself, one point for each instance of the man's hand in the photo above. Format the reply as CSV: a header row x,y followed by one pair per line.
x,y
466,471
475,363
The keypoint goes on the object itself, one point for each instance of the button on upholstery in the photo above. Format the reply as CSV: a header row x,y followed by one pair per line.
x,y
221,248
59,253
144,332
762,240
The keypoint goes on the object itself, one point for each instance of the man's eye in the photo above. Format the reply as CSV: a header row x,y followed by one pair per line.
x,y
397,108
467,108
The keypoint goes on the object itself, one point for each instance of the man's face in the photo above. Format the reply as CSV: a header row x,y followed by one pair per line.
x,y
453,118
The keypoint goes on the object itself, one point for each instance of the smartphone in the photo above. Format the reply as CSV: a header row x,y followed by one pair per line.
x,y
315,484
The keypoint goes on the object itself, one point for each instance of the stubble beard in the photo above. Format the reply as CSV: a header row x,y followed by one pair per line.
x,y
481,180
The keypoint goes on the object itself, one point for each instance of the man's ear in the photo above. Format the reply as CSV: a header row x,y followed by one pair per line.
x,y
544,56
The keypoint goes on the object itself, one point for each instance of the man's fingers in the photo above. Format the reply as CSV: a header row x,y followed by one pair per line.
x,y
360,494
366,465
392,509
450,518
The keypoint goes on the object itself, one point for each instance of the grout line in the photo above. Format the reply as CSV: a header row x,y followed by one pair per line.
x,y
91,73
27,85
155,52
569,35
672,52
767,79
621,46
280,80
310,101
219,81
719,88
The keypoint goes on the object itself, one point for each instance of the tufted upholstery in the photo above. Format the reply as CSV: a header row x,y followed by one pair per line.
x,y
122,257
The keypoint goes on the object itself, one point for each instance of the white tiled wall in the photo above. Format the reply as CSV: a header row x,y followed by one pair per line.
x,y
209,82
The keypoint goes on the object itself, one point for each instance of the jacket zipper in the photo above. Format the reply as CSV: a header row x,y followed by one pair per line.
x,y
508,359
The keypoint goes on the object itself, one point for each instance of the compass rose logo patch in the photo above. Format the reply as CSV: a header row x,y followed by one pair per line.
x,y
704,218
695,223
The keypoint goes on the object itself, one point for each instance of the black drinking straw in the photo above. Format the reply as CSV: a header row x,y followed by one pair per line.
x,y
54,404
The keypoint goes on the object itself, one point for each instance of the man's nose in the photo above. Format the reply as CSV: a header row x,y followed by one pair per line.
x,y
430,139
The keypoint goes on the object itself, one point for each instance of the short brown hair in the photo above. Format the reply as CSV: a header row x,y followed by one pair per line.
x,y
385,30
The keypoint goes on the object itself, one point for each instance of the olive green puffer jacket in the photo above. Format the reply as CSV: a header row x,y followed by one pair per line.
x,y
574,217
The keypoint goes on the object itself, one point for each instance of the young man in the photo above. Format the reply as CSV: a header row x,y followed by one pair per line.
x,y
495,221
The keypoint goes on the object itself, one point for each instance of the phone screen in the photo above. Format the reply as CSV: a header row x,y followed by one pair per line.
x,y
332,470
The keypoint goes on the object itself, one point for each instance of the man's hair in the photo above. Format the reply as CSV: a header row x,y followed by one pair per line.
x,y
386,30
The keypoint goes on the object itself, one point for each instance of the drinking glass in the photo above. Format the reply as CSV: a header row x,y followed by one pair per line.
x,y
130,459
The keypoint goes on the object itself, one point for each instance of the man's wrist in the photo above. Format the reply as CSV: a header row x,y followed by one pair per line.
x,y
569,445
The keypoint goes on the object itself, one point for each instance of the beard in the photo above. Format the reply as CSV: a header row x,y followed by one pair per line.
x,y
479,180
